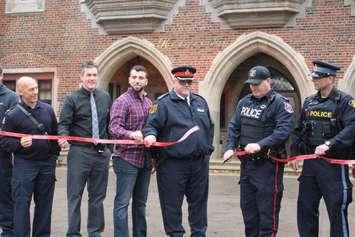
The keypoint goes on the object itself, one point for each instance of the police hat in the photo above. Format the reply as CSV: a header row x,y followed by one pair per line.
x,y
184,72
323,69
258,74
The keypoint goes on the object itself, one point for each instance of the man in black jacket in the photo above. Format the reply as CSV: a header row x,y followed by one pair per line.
x,y
8,99
34,160
86,113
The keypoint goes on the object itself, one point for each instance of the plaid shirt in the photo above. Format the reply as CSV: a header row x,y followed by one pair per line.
x,y
128,114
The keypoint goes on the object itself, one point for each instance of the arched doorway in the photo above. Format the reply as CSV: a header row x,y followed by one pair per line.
x,y
245,47
119,82
123,53
235,89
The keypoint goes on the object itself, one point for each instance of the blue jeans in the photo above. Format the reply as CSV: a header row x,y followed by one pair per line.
x,y
131,182
35,178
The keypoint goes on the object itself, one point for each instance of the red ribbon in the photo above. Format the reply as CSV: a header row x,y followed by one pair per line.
x,y
242,154
102,141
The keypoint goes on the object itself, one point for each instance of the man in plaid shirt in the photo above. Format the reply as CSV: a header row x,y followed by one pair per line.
x,y
131,163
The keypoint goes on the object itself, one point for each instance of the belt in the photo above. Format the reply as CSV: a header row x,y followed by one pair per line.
x,y
100,148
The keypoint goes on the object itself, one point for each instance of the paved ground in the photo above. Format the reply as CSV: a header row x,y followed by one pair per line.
x,y
225,218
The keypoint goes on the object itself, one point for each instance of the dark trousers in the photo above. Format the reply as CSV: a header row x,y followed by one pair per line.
x,y
35,178
87,166
177,178
321,179
261,190
131,183
6,204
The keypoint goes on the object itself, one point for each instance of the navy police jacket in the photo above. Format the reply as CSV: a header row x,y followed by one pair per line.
x,y
326,119
16,121
8,99
171,116
267,121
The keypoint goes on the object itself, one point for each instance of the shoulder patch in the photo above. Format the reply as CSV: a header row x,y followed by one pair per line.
x,y
153,109
352,103
288,107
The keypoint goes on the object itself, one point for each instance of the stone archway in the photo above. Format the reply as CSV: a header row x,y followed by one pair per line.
x,y
123,50
244,47
348,82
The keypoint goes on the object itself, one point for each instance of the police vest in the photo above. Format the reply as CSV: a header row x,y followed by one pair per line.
x,y
320,121
254,126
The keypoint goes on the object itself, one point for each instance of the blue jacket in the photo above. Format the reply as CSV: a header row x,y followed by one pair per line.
x,y
170,117
268,122
16,121
8,99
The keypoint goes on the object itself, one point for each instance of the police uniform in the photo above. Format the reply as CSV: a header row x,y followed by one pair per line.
x,y
266,121
8,99
182,168
329,121
34,168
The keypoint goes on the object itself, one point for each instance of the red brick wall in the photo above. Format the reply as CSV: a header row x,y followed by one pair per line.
x,y
62,37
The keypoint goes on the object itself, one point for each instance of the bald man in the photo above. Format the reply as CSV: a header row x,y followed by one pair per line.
x,y
34,160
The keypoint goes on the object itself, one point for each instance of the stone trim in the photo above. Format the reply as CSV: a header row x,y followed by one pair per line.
x,y
253,13
347,83
130,16
244,47
24,6
125,49
350,3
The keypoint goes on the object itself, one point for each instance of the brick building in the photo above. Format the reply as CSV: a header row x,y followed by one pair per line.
x,y
223,39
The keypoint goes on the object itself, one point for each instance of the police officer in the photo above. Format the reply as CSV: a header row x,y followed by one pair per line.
x,y
34,160
260,126
182,169
326,127
8,99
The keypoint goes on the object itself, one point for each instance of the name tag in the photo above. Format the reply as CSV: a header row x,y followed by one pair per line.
x,y
200,110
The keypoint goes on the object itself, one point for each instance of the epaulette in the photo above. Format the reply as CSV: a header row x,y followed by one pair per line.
x,y
198,95
162,96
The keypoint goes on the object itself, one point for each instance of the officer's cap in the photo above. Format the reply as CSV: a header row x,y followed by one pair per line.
x,y
184,72
323,69
257,74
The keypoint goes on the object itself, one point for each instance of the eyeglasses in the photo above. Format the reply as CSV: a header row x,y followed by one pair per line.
x,y
185,82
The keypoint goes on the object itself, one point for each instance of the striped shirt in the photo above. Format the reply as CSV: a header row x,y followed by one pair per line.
x,y
128,114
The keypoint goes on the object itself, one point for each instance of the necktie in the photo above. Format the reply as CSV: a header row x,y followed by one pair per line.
x,y
187,101
94,118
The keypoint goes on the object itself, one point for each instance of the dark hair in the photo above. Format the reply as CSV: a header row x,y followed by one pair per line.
x,y
139,68
89,64
0,70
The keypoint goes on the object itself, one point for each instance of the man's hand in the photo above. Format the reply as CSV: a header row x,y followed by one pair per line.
x,y
63,143
136,135
295,165
228,154
252,148
149,140
26,142
321,149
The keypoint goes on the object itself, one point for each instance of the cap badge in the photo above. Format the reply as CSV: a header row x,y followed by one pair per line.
x,y
252,73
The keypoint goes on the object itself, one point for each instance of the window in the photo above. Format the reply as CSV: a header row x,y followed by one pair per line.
x,y
24,6
44,84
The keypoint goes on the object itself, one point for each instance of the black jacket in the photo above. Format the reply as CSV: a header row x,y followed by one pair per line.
x,y
75,118
17,121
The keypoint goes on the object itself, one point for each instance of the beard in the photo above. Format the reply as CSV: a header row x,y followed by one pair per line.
x,y
138,89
